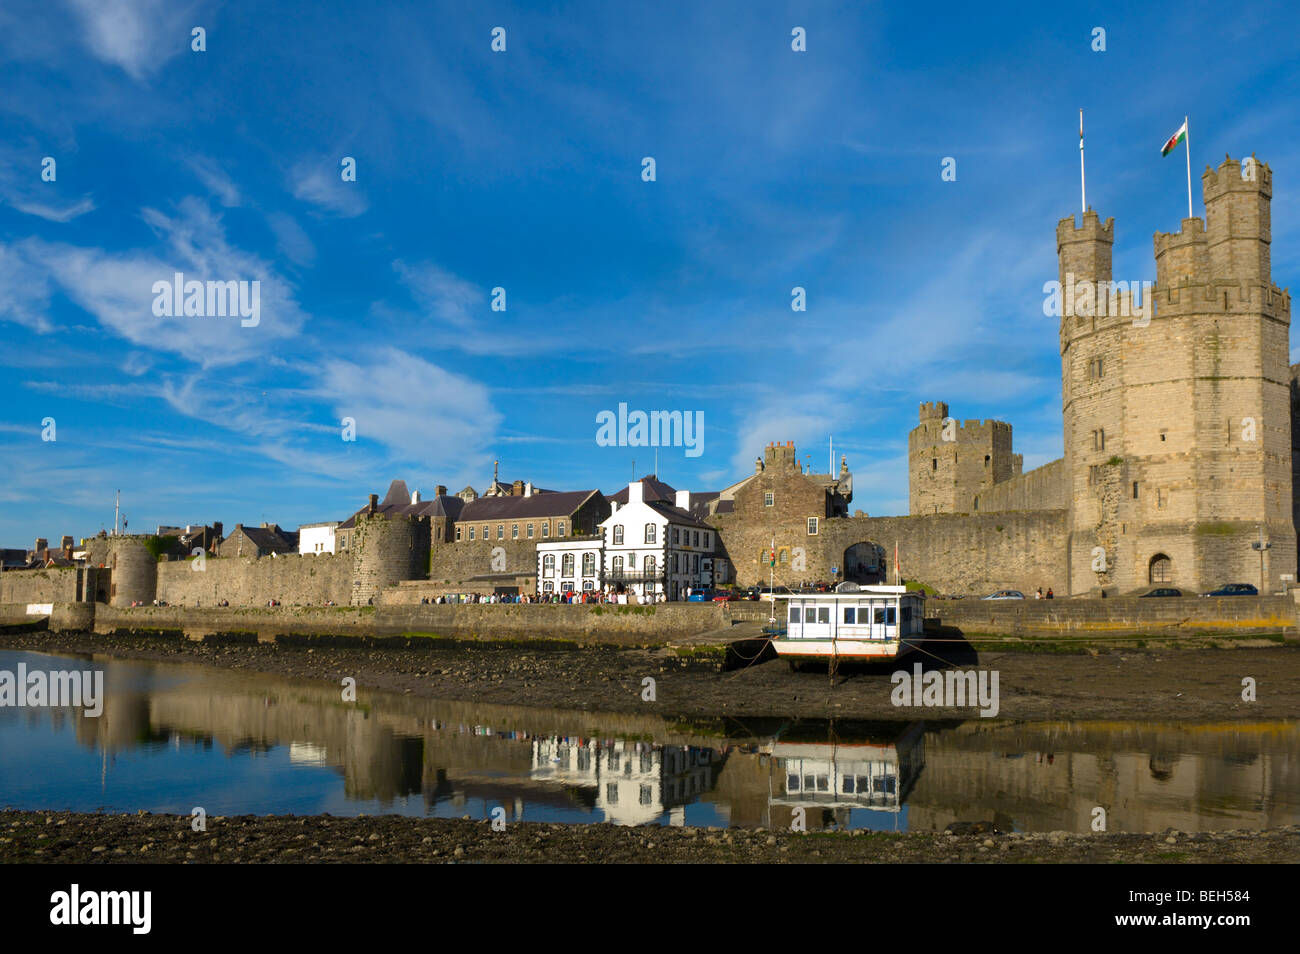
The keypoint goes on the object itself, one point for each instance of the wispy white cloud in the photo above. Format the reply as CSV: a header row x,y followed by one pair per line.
x,y
116,287
320,184
139,36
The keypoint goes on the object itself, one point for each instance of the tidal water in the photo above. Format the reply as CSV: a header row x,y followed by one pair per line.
x,y
173,737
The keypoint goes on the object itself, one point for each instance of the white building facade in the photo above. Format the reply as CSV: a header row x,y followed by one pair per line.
x,y
657,550
316,537
565,566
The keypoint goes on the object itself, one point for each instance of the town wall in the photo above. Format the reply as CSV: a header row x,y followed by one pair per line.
x,y
1044,488
291,578
954,553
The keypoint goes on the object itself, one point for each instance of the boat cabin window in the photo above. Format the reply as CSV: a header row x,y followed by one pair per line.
x,y
886,615
810,615
794,614
850,614
907,614
824,614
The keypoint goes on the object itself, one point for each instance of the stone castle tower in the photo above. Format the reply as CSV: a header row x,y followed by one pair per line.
x,y
1177,418
951,463
388,548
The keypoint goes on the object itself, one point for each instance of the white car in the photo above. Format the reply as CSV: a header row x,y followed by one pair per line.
x,y
1006,595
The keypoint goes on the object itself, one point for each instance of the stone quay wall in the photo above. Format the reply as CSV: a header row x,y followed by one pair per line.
x,y
588,624
1151,616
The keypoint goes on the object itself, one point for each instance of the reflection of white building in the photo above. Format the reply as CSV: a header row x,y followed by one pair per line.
x,y
567,565
634,782
305,753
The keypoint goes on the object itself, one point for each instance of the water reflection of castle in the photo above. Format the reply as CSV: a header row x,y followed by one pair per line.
x,y
634,782
1031,777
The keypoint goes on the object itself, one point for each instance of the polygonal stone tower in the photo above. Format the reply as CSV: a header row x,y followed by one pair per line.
x,y
1177,417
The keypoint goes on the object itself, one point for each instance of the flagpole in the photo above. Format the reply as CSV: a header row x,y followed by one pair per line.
x,y
1187,146
1083,191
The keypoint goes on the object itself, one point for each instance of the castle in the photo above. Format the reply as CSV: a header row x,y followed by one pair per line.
x,y
1181,422
1177,412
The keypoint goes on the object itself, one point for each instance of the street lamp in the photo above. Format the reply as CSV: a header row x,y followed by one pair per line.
x,y
1261,546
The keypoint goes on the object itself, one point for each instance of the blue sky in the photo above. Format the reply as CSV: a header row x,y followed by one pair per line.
x,y
522,170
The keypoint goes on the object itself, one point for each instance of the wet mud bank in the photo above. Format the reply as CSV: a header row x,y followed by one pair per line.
x,y
1203,685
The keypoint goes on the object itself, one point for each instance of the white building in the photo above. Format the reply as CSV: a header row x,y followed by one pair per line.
x,y
654,548
316,537
564,566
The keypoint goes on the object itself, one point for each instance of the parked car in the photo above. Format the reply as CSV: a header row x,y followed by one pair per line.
x,y
1234,589
752,593
702,595
727,597
1163,591
1006,595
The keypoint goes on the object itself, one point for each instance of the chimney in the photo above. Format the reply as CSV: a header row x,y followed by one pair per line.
x,y
517,489
635,493
415,497
42,544
374,503
66,542
440,490
528,489
684,499
216,529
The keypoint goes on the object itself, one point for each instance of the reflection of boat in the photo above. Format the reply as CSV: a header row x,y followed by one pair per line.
x,y
855,623
875,775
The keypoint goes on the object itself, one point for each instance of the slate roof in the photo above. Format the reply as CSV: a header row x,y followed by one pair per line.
x,y
548,504
397,503
652,488
677,515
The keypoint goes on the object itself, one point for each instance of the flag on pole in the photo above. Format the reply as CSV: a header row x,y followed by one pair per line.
x,y
1175,139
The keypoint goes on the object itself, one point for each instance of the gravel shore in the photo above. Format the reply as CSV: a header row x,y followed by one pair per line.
x,y
62,838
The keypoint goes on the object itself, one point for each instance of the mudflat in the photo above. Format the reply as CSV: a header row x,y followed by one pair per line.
x,y
1183,685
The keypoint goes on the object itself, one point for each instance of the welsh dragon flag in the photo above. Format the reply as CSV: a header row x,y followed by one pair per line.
x,y
1175,139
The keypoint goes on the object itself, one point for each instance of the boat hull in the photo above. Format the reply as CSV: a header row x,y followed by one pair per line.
x,y
850,649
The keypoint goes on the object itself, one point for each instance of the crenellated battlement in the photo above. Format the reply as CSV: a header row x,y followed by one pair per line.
x,y
933,410
1090,229
1250,176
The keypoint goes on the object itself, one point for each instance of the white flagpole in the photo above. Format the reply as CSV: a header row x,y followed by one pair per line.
x,y
1187,146
1083,191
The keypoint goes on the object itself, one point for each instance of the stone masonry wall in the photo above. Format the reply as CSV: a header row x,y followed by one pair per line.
x,y
955,553
55,585
293,579
1044,488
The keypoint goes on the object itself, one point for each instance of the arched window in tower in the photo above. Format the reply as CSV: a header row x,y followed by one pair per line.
x,y
987,458
1161,569
977,503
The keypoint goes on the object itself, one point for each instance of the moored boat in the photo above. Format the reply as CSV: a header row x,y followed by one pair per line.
x,y
855,623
